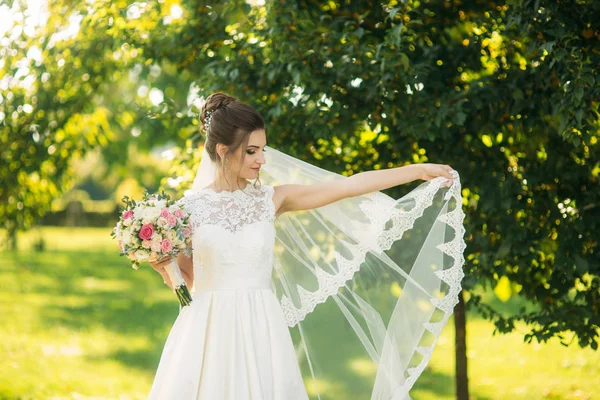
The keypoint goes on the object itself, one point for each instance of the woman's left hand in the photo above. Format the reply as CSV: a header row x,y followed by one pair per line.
x,y
431,171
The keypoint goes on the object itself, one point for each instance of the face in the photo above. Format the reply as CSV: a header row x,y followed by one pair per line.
x,y
254,156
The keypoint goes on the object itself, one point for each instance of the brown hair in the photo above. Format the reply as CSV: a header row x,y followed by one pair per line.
x,y
232,121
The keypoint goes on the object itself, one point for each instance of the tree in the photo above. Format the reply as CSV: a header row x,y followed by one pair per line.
x,y
505,92
71,84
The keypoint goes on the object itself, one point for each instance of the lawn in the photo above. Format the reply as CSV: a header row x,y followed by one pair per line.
x,y
80,323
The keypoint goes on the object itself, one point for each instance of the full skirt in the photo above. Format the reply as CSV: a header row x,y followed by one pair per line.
x,y
229,345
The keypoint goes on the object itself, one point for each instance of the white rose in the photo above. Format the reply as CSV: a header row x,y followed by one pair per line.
x,y
151,213
141,255
155,246
137,212
126,236
157,238
172,235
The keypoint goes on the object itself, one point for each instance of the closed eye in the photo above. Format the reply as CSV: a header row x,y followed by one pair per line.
x,y
254,151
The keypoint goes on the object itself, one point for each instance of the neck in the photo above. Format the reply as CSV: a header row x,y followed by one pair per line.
x,y
220,184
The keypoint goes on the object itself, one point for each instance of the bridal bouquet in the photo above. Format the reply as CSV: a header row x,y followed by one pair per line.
x,y
152,229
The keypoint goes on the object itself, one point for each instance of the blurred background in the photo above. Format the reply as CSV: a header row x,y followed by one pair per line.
x,y
100,99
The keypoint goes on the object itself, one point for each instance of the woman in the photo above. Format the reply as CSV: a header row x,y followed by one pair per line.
x,y
232,342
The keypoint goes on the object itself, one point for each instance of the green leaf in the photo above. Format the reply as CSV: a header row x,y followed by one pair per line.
x,y
579,93
393,13
459,118
548,46
579,115
581,264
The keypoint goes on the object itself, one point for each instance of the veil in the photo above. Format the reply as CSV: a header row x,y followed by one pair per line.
x,y
366,283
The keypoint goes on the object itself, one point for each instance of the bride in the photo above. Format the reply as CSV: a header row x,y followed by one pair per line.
x,y
312,251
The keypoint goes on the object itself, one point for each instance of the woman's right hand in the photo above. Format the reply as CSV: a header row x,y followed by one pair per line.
x,y
159,265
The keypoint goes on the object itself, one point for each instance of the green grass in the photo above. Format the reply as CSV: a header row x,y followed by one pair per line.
x,y
78,322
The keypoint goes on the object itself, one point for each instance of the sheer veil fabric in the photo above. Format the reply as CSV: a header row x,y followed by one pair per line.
x,y
365,284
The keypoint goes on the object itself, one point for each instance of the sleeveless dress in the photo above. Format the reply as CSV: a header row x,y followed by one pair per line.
x,y
232,342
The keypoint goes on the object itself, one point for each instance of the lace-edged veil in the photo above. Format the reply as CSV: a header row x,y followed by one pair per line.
x,y
367,283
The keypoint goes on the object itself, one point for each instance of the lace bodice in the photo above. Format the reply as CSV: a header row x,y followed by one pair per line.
x,y
233,237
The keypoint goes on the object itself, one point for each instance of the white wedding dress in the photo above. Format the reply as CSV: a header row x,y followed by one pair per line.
x,y
232,342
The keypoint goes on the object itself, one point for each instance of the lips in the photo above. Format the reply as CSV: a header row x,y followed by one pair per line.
x,y
256,169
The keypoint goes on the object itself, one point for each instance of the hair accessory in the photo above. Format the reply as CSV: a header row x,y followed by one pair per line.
x,y
207,121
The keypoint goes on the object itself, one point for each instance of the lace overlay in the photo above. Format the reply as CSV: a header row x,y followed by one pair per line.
x,y
381,209
389,224
230,210
233,237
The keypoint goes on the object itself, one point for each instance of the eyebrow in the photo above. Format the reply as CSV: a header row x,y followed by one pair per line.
x,y
253,145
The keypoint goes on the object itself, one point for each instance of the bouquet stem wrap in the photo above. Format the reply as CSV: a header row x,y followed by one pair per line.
x,y
179,286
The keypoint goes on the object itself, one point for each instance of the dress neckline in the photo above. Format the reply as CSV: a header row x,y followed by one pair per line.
x,y
228,192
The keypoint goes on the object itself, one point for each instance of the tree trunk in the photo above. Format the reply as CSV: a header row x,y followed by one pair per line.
x,y
12,240
460,326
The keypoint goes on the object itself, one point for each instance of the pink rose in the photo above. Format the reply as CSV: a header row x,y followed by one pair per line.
x,y
166,246
128,214
146,232
172,220
186,232
165,212
179,214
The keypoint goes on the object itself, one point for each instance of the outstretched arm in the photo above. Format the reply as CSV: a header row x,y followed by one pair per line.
x,y
293,197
